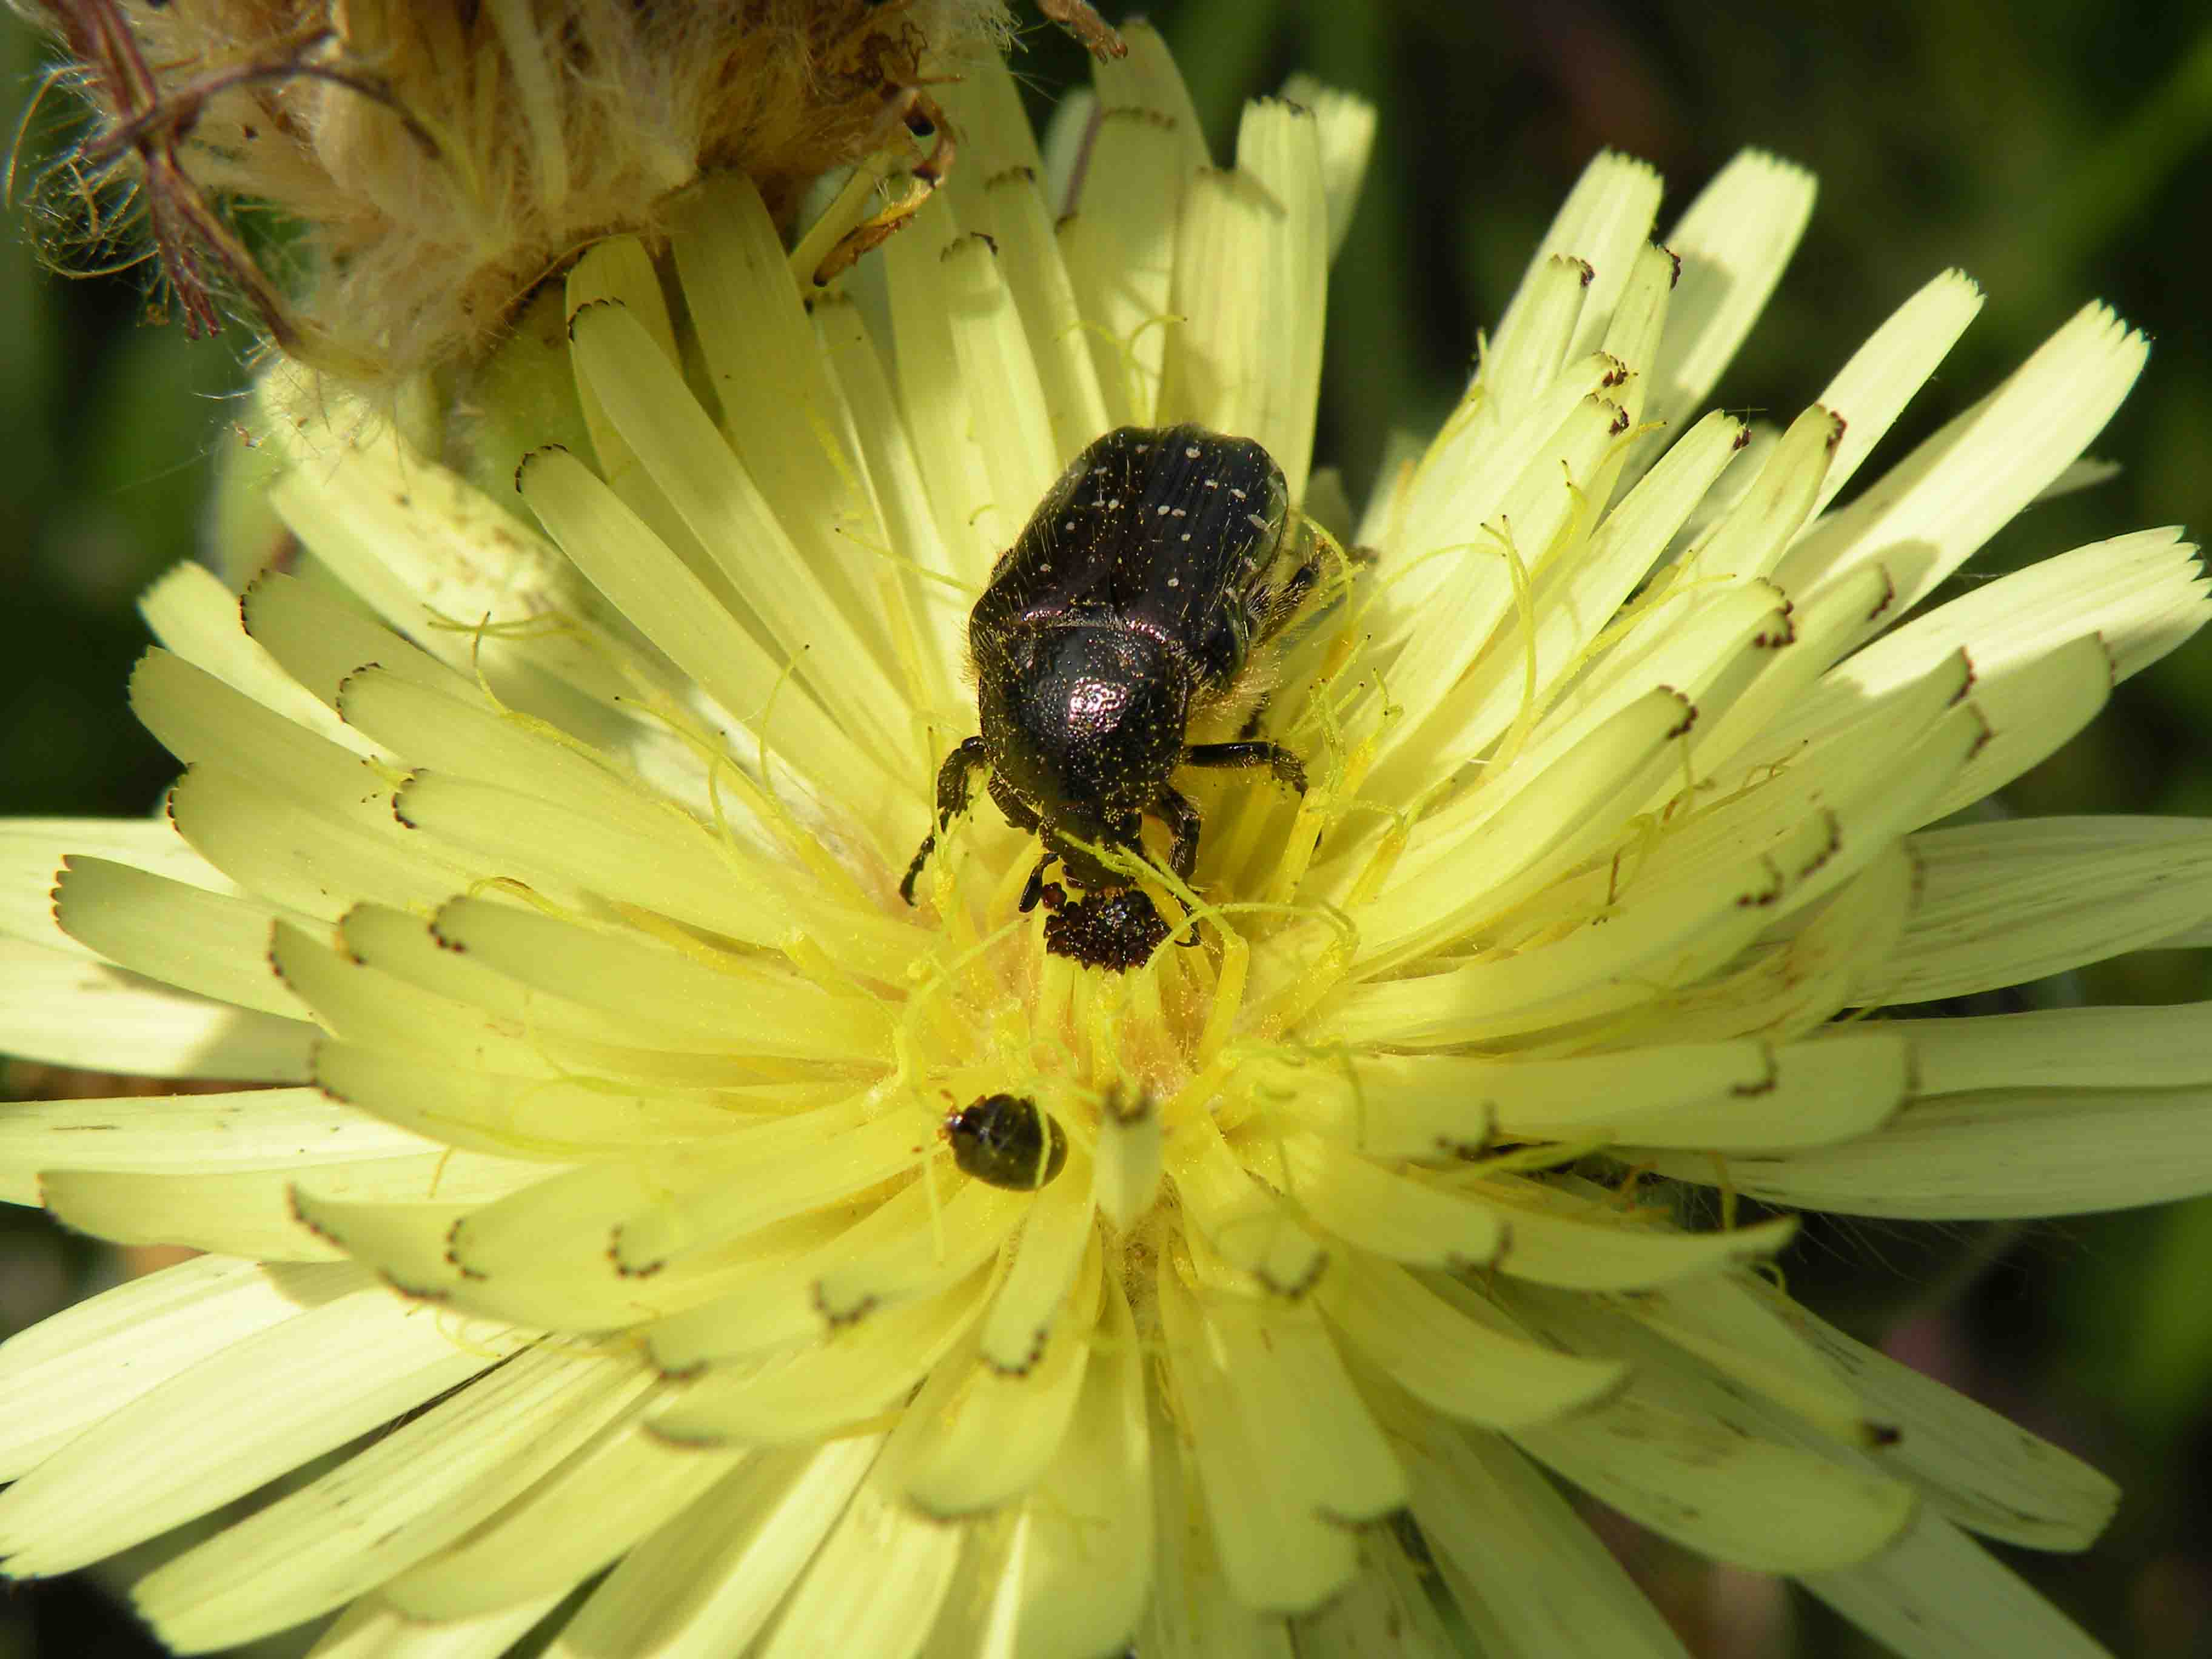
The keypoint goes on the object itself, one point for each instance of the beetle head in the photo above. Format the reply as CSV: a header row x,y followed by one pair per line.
x,y
1083,724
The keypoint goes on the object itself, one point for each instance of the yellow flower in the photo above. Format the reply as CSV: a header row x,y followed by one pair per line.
x,y
610,1193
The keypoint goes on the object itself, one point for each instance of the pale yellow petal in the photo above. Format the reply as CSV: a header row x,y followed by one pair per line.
x,y
1344,123
2016,1151
66,1008
31,854
1871,391
389,1505
1606,217
182,935
1734,241
1084,1550
874,1587
2004,904
780,409
980,1435
1971,1466
254,1409
707,1580
1426,1342
1706,1466
1928,514
189,1134
1935,1594
619,1489
1278,1551
70,1371
251,1212
1119,242
855,1372
1528,1574
196,617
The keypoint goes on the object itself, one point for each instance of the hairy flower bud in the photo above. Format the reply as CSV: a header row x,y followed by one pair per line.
x,y
440,158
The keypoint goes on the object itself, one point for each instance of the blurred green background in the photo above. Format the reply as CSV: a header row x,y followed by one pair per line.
x,y
2058,150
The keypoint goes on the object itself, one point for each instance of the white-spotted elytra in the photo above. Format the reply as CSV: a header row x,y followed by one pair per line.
x,y
1130,604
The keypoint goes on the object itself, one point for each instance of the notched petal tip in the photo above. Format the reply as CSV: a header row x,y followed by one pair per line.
x,y
844,1318
522,466
591,305
681,1439
622,1265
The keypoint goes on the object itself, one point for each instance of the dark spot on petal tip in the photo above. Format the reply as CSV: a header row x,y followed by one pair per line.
x,y
1300,1291
1888,596
292,1203
523,466
588,304
1331,1517
1883,1434
688,1373
683,1442
413,1293
1764,1085
942,1517
346,681
623,1268
842,1319
1131,1108
1465,1265
1959,695
1742,437
1029,1363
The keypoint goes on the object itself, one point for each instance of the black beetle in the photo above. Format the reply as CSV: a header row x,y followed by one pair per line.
x,y
1008,1141
1130,604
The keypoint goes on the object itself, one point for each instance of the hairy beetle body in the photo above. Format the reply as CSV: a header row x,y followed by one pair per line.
x,y
1131,601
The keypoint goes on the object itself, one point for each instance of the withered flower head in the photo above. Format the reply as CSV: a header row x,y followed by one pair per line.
x,y
440,157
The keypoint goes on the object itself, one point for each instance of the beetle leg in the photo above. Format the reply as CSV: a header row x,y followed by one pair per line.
x,y
1281,606
916,110
952,780
1274,609
1051,892
1081,19
1181,820
1288,768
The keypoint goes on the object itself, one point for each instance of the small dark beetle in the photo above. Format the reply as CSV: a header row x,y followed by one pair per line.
x,y
1008,1141
1130,604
